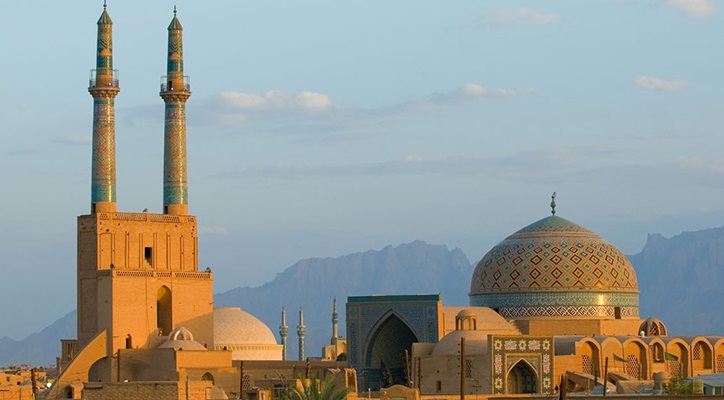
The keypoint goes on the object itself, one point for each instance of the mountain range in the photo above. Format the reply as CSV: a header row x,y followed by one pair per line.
x,y
678,277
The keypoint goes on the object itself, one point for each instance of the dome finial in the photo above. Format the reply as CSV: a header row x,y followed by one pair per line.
x,y
553,203
104,5
174,10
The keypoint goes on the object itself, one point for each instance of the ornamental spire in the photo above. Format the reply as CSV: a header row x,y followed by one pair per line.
x,y
553,203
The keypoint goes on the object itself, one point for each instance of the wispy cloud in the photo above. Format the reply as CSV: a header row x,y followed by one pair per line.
x,y
694,8
654,83
698,163
312,116
528,165
514,19
75,139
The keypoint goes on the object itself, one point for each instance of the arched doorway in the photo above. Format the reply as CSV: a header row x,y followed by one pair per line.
x,y
522,379
386,363
164,315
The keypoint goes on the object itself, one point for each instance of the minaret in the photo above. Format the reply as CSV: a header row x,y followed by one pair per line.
x,y
103,87
335,320
301,331
283,332
175,90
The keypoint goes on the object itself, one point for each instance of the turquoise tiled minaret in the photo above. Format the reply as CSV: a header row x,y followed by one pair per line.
x,y
103,87
175,90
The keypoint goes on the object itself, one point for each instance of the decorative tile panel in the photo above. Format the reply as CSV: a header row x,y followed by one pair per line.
x,y
537,352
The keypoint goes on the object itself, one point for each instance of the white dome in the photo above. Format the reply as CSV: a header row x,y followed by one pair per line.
x,y
245,335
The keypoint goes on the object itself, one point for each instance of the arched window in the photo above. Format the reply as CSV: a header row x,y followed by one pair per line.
x,y
208,377
164,315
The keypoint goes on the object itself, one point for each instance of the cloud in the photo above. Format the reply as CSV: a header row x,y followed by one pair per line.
x,y
513,19
313,117
75,139
694,8
526,165
697,163
653,83
473,92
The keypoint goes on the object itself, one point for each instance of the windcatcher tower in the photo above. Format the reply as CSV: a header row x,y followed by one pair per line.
x,y
138,275
104,87
175,91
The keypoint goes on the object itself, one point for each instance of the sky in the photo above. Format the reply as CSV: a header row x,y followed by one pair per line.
x,y
322,128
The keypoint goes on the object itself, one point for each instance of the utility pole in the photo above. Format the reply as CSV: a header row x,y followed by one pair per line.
x,y
462,368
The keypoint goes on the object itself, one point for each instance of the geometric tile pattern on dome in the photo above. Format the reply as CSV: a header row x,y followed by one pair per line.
x,y
524,264
557,298
567,311
536,351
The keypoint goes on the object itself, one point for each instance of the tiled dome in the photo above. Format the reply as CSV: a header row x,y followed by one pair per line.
x,y
555,267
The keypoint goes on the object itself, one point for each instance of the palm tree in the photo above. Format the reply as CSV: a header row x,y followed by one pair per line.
x,y
314,389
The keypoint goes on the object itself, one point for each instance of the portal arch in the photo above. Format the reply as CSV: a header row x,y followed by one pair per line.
x,y
522,379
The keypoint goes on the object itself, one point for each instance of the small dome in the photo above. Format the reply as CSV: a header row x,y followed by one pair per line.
x,y
180,333
653,327
476,343
181,339
552,268
245,335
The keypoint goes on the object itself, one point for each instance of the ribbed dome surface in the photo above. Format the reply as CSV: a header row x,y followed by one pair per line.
x,y
233,326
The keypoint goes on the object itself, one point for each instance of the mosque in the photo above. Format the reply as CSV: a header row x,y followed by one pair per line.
x,y
553,307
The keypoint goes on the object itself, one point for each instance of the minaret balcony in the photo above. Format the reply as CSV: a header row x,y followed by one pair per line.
x,y
100,78
174,84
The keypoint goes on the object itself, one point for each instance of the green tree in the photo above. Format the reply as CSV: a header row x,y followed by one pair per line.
x,y
680,386
314,389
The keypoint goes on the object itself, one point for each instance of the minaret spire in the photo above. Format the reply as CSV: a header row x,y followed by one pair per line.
x,y
103,86
175,91
283,332
335,320
301,331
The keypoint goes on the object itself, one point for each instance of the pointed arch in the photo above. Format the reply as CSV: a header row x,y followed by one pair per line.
x,y
677,358
657,350
636,355
719,356
701,356
164,310
522,379
385,349
590,353
208,377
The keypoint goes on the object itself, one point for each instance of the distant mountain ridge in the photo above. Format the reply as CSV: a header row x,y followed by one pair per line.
x,y
312,284
680,279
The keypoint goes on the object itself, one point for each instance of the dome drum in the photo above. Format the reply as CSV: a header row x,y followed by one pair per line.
x,y
586,304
